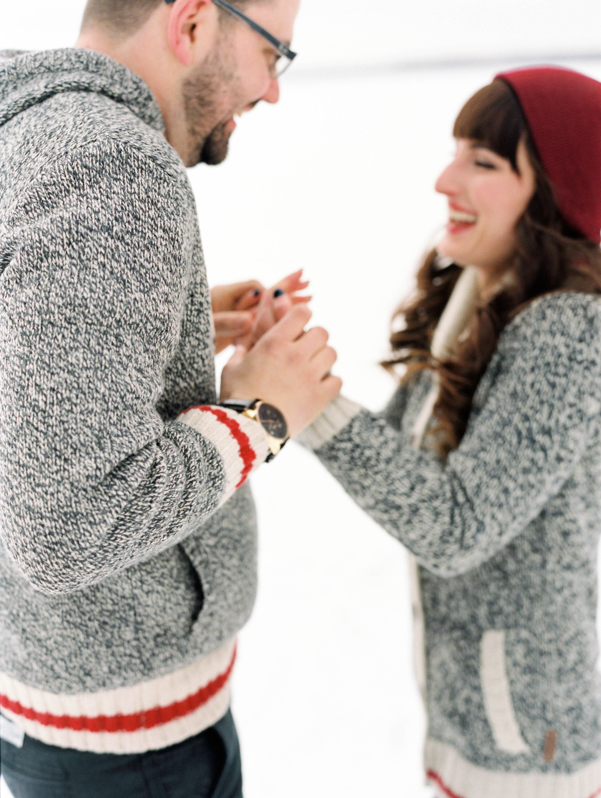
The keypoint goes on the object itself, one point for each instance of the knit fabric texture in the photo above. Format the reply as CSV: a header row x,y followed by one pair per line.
x,y
505,533
118,562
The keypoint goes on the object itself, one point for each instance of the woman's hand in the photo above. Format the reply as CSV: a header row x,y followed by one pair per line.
x,y
232,311
243,312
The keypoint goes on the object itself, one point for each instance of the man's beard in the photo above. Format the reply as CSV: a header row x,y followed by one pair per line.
x,y
215,147
201,93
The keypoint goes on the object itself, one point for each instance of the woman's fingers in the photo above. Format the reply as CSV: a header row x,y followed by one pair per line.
x,y
251,297
281,304
232,324
235,296
292,283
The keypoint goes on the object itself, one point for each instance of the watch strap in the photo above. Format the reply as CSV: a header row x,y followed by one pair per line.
x,y
248,408
240,405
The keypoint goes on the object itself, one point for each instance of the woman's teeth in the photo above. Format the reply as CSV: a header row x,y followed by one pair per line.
x,y
461,217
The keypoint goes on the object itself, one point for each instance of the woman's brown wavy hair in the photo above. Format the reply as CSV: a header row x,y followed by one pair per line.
x,y
549,256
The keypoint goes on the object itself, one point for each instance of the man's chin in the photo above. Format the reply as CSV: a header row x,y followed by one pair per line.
x,y
213,158
215,148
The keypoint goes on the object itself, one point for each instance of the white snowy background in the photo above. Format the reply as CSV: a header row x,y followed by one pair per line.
x,y
337,179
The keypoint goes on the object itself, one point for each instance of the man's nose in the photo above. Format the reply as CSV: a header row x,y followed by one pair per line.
x,y
272,95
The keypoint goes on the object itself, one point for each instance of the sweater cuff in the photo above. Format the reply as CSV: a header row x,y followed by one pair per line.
x,y
241,442
336,416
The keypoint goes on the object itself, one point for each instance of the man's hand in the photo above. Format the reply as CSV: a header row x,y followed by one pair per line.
x,y
242,312
287,367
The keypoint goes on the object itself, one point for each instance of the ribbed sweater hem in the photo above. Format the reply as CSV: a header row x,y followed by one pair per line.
x,y
452,776
149,715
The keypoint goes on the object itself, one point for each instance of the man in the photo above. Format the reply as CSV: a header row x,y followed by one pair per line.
x,y
124,575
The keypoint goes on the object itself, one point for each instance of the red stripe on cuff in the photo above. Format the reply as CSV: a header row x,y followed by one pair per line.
x,y
148,719
247,453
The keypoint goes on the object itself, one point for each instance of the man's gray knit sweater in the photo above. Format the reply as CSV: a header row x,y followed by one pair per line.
x,y
122,583
505,532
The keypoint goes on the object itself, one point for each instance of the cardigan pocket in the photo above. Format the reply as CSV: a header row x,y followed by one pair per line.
x,y
223,552
496,693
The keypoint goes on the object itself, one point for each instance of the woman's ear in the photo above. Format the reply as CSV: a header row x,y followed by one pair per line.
x,y
191,27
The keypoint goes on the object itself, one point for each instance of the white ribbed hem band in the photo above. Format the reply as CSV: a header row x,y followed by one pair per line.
x,y
242,442
334,418
149,715
452,776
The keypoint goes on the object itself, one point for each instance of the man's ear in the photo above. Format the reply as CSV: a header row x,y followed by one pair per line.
x,y
192,27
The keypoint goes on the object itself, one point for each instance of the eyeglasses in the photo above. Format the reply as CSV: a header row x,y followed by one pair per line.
x,y
285,56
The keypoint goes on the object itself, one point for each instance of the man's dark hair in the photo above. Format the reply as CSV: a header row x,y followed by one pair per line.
x,y
122,18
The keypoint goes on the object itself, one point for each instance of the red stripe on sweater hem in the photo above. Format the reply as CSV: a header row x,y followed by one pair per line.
x,y
148,719
447,791
433,776
247,453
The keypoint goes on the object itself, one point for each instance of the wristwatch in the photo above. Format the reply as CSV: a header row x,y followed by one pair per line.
x,y
268,416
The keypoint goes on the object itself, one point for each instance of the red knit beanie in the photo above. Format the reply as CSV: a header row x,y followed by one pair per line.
x,y
563,111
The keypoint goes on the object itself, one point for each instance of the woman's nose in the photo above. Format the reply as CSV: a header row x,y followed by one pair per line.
x,y
446,182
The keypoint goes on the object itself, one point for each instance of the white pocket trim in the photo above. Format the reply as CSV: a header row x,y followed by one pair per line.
x,y
497,694
419,629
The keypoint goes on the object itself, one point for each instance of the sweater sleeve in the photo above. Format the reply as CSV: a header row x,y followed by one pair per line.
x,y
96,264
532,421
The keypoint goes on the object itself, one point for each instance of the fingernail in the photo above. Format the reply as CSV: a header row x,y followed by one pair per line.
x,y
278,292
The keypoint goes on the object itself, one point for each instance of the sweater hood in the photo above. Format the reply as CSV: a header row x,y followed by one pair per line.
x,y
30,78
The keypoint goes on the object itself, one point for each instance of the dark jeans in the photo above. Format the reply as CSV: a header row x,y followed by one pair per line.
x,y
205,766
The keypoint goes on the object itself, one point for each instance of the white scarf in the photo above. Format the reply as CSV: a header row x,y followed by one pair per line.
x,y
451,324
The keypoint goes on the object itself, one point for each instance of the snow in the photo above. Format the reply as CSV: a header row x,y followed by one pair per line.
x,y
338,179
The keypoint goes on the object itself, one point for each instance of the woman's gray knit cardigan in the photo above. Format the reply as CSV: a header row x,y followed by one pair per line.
x,y
505,533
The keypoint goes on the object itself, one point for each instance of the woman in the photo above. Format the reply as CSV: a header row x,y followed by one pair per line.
x,y
486,464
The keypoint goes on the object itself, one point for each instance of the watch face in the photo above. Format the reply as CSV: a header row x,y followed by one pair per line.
x,y
272,421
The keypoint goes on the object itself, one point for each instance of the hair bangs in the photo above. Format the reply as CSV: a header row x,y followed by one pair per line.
x,y
494,119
